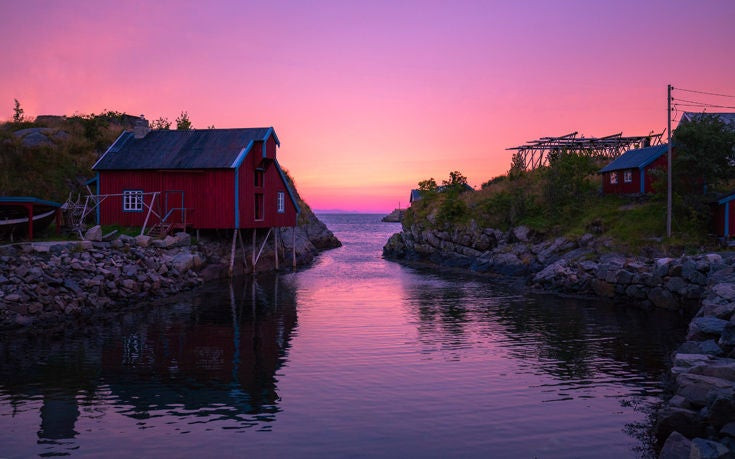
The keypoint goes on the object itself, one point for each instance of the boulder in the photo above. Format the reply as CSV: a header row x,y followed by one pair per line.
x,y
701,328
662,298
672,419
676,446
183,261
708,449
521,234
725,290
700,347
93,234
727,338
142,240
169,241
698,389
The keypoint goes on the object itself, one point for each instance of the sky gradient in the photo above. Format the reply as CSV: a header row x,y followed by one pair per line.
x,y
368,98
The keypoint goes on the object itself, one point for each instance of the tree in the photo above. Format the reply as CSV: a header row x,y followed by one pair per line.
x,y
161,123
457,182
183,123
427,185
18,116
517,166
704,154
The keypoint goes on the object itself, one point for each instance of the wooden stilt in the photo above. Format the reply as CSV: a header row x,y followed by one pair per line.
x,y
244,252
232,250
262,246
275,246
293,246
255,231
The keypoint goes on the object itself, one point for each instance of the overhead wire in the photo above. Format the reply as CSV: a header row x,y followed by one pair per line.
x,y
703,92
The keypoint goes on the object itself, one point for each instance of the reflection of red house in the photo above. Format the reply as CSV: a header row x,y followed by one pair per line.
x,y
204,178
631,173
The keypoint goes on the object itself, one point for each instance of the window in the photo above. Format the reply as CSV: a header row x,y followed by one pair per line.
x,y
613,178
133,201
281,202
259,206
628,176
258,177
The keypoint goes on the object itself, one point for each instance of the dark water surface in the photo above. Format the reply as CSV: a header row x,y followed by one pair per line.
x,y
355,356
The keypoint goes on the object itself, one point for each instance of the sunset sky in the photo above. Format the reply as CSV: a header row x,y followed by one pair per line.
x,y
370,97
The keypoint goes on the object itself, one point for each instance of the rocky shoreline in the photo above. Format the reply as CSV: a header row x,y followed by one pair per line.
x,y
48,283
699,418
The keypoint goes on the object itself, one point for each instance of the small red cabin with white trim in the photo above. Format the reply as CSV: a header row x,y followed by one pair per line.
x,y
201,179
631,172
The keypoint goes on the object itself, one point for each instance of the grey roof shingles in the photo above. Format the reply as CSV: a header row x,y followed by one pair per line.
x,y
634,159
194,149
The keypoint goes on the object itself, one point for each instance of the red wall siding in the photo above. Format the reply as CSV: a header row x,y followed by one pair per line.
x,y
272,185
208,196
634,187
662,164
270,148
718,219
621,187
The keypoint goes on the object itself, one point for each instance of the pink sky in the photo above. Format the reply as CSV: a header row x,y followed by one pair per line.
x,y
368,98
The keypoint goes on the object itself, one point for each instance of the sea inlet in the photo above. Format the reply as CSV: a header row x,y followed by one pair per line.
x,y
354,356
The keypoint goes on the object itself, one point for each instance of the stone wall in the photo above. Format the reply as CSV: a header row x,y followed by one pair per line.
x,y
577,266
45,283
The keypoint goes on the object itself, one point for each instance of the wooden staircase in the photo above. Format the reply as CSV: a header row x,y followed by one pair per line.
x,y
160,230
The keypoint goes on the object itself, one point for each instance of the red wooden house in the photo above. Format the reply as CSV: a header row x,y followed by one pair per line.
x,y
723,216
200,179
631,173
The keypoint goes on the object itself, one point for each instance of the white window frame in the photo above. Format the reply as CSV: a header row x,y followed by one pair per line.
x,y
132,201
628,176
613,178
281,202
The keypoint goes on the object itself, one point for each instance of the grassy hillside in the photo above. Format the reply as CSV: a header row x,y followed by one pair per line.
x,y
51,168
564,199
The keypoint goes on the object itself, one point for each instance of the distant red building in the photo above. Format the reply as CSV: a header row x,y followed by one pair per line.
x,y
631,173
723,216
204,178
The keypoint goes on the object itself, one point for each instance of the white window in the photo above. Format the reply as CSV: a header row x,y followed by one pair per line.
x,y
281,202
613,178
133,201
628,176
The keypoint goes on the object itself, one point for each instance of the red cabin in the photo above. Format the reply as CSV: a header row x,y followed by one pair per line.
x,y
631,172
723,216
201,179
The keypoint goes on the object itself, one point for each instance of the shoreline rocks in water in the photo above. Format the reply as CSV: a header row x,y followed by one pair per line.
x,y
394,217
45,283
699,418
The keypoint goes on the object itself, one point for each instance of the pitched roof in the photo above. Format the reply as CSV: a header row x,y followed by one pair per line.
x,y
725,117
193,149
634,159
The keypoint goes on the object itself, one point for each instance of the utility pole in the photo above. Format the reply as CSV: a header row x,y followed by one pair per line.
x,y
668,169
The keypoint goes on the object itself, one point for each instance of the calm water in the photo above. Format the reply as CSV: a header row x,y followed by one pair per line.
x,y
355,356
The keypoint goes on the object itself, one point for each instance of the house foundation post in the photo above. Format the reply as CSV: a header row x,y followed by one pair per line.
x,y
275,245
244,252
254,246
293,246
232,250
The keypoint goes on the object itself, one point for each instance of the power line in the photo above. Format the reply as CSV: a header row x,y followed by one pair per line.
x,y
701,104
704,92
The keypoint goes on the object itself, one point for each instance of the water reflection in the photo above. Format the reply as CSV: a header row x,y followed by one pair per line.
x,y
212,357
